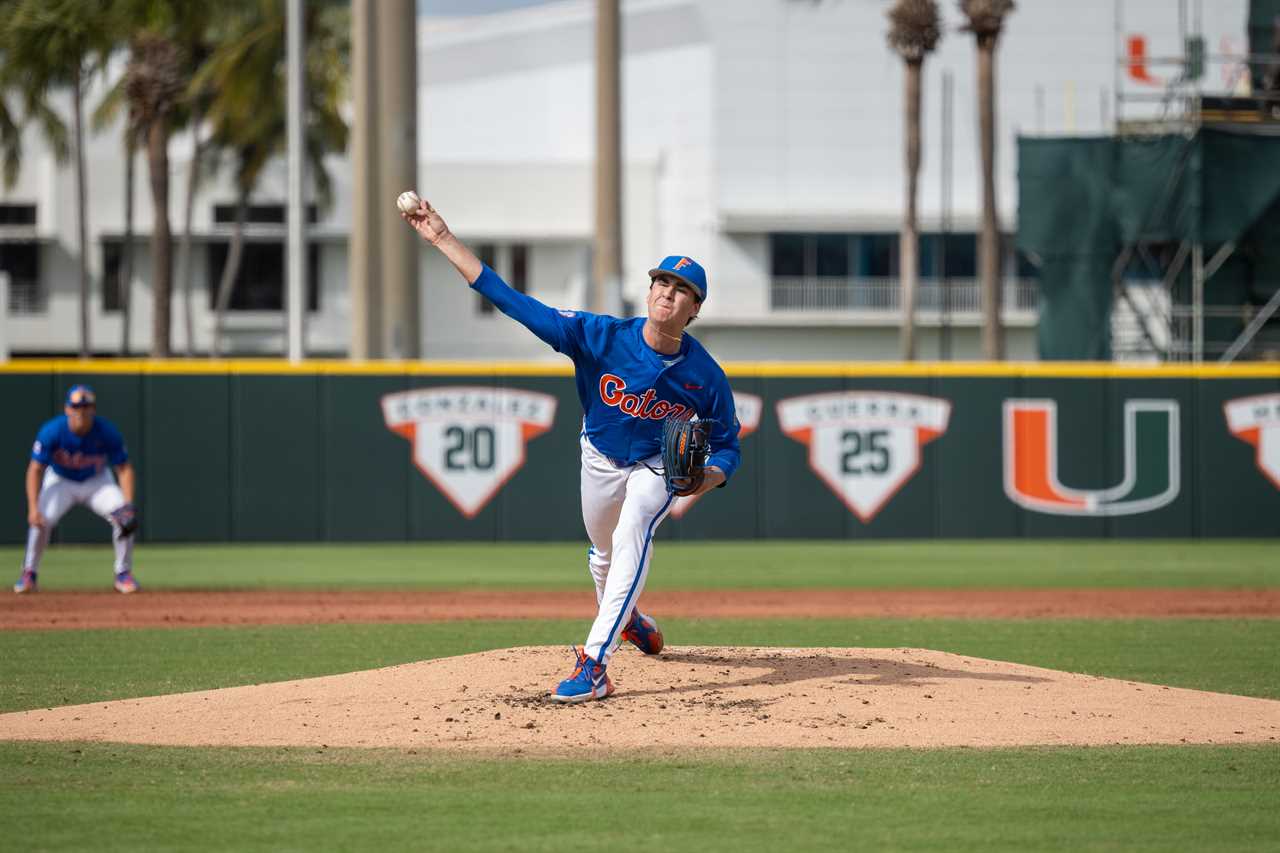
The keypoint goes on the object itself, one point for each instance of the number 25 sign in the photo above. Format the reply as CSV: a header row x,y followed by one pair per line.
x,y
865,445
469,440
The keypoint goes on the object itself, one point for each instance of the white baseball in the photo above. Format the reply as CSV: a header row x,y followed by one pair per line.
x,y
408,202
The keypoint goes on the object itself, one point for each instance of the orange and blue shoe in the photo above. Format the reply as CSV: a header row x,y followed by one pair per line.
x,y
589,681
125,584
643,633
26,583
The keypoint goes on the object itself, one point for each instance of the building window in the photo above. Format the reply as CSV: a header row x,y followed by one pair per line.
x,y
877,255
258,214
788,255
818,272
808,255
260,282
831,255
21,260
954,257
112,257
17,214
517,275
870,255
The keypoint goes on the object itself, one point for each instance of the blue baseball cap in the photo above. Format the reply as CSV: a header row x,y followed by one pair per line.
x,y
684,268
80,396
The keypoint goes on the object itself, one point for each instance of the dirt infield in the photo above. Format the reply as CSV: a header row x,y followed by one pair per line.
x,y
688,698
106,609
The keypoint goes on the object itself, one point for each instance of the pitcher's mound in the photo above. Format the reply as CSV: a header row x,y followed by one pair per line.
x,y
689,697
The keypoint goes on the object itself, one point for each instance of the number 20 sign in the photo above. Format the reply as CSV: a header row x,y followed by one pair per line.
x,y
865,445
469,440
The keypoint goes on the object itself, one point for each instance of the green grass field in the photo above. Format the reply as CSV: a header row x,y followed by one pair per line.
x,y
67,796
704,565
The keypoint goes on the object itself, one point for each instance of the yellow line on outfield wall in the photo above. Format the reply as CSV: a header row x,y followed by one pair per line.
x,y
735,369
314,367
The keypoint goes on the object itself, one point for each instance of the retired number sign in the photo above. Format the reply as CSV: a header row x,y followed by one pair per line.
x,y
865,445
468,441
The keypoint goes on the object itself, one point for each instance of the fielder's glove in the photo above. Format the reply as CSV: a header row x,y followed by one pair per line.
x,y
126,518
684,453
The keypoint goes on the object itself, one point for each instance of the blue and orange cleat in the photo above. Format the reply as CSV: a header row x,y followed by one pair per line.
x,y
643,633
589,681
125,584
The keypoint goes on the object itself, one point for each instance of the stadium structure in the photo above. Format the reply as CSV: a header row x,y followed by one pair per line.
x,y
763,138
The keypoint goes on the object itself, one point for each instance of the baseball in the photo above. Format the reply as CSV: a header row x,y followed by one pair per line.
x,y
408,202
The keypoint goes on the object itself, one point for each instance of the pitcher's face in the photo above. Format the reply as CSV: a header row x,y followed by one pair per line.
x,y
671,301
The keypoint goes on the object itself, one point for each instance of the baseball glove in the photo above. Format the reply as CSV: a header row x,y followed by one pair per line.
x,y
684,453
126,518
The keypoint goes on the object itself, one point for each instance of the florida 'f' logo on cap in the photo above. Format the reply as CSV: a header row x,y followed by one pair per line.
x,y
681,264
80,395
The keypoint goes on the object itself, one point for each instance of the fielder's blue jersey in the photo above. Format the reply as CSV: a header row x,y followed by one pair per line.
x,y
627,388
79,457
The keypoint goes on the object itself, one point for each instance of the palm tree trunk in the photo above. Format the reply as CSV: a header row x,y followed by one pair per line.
x,y
989,241
229,273
125,273
82,209
161,238
184,248
908,245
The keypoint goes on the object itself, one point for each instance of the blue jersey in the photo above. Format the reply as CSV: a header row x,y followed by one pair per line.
x,y
627,388
78,457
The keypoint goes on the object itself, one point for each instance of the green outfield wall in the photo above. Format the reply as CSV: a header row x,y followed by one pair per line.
x,y
266,451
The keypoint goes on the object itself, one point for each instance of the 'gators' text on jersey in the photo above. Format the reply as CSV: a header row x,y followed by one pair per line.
x,y
626,387
79,457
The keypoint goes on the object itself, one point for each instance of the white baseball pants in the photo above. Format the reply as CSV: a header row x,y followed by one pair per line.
x,y
622,507
58,495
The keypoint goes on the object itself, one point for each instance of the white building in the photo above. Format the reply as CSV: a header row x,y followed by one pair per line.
x,y
762,137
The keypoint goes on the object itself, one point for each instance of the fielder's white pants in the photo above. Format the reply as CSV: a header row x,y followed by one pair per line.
x,y
58,495
622,507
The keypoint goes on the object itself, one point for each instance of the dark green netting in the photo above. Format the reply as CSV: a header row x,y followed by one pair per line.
x,y
1081,200
1262,18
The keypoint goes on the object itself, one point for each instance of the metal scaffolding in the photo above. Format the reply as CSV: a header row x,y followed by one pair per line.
x,y
1167,322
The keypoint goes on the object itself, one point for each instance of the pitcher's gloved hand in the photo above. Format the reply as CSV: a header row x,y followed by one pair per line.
x,y
684,455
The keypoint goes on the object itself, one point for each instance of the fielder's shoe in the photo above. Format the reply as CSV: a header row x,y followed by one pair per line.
x,y
125,584
643,633
26,583
589,681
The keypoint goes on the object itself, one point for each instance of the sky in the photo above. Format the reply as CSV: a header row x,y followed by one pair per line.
x,y
437,8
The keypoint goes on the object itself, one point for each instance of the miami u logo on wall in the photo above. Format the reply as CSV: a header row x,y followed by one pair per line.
x,y
748,408
468,441
1151,473
1256,420
864,445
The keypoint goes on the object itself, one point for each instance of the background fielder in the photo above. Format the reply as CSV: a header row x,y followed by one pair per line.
x,y
71,463
631,375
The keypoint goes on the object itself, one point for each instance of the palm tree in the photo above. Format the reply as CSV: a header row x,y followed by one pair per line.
x,y
197,32
914,31
10,122
125,286
167,39
199,152
49,45
154,82
245,81
986,19
108,112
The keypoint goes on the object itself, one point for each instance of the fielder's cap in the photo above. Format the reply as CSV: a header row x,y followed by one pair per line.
x,y
684,268
80,396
